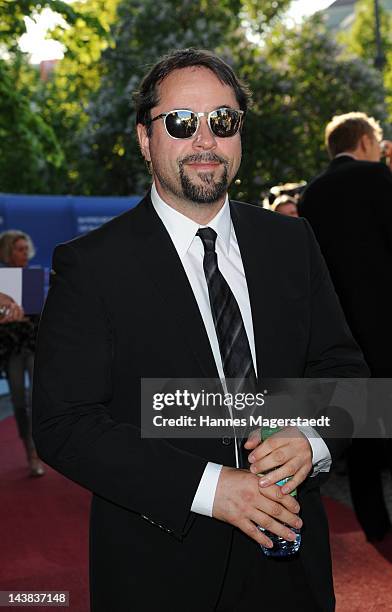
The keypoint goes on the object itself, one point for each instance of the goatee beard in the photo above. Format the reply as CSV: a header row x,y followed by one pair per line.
x,y
210,191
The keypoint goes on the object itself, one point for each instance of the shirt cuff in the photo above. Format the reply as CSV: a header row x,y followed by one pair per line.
x,y
205,494
321,457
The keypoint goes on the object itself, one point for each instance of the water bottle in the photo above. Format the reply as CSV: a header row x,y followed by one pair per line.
x,y
281,547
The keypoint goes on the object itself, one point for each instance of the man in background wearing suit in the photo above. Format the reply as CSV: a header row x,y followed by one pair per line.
x,y
349,207
173,522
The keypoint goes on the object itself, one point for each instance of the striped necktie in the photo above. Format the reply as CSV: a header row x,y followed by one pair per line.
x,y
233,342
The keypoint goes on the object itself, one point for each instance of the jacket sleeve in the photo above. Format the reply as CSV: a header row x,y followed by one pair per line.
x,y
332,351
72,427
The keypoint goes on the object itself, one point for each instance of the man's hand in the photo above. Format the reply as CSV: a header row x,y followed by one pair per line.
x,y
240,502
9,310
288,450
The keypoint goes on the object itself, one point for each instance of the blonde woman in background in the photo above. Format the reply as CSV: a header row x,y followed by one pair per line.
x,y
17,343
285,205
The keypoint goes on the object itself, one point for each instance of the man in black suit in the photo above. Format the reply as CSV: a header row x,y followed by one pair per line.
x,y
173,522
349,207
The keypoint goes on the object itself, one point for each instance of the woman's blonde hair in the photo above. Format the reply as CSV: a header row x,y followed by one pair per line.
x,y
7,241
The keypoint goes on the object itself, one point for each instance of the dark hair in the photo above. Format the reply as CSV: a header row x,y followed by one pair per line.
x,y
147,95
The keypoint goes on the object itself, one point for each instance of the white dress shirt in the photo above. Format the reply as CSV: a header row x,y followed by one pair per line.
x,y
190,249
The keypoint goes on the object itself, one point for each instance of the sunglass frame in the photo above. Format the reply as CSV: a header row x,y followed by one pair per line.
x,y
198,115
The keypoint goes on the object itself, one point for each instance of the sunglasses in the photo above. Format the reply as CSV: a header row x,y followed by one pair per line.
x,y
180,124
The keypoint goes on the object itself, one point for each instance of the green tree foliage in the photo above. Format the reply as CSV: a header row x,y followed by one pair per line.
x,y
79,73
321,82
28,146
30,152
268,138
142,34
65,98
298,77
13,13
360,41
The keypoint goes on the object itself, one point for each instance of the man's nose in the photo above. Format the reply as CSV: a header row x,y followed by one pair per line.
x,y
204,138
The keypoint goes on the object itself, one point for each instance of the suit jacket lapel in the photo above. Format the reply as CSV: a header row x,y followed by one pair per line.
x,y
158,256
152,245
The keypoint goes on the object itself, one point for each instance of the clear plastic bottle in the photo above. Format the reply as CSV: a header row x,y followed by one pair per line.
x,y
281,547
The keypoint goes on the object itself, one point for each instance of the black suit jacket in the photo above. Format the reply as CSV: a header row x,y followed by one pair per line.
x,y
121,308
349,207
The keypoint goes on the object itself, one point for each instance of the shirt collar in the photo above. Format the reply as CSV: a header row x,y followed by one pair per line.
x,y
345,154
182,230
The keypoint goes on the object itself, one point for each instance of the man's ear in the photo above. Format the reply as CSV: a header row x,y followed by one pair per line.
x,y
144,141
365,143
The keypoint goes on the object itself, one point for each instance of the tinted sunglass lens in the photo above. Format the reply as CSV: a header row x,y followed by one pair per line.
x,y
181,124
225,122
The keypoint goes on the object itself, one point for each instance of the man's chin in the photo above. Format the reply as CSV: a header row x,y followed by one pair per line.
x,y
203,194
203,176
204,187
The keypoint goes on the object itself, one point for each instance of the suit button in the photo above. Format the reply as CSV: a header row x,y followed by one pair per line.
x,y
226,441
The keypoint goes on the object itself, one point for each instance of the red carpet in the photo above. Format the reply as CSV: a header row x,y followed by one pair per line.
x,y
44,528
44,539
362,572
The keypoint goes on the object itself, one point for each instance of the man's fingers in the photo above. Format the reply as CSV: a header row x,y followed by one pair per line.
x,y
284,471
269,446
254,439
260,450
274,493
279,514
251,530
267,522
278,457
290,439
290,470
296,480
239,501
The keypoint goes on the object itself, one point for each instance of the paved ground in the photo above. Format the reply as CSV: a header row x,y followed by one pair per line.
x,y
336,487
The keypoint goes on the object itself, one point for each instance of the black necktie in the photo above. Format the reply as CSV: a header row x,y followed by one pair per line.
x,y
233,341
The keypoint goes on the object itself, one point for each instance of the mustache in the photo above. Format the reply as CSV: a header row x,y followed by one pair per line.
x,y
202,158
